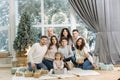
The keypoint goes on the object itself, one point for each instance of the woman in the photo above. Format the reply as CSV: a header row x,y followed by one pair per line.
x,y
50,54
83,59
65,33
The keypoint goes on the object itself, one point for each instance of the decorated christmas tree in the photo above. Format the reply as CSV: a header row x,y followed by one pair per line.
x,y
25,34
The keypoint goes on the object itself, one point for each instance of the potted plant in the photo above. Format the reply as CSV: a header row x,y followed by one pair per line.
x,y
25,35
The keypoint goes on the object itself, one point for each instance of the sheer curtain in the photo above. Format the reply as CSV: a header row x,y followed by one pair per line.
x,y
103,16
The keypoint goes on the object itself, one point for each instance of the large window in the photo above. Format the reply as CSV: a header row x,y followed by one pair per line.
x,y
4,23
44,14
33,7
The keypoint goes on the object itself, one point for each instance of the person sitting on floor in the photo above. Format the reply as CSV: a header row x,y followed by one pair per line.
x,y
58,64
36,55
83,59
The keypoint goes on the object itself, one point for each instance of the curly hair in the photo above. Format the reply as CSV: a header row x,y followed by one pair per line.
x,y
80,47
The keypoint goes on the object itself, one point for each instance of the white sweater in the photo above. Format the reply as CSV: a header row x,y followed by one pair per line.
x,y
36,53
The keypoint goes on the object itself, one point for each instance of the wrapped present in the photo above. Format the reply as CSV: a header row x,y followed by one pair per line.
x,y
103,66
22,69
37,74
18,73
44,71
28,74
13,70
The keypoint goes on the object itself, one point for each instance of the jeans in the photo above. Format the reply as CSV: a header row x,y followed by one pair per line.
x,y
86,65
70,58
37,66
48,63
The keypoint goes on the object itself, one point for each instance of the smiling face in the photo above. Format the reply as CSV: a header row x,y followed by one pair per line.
x,y
50,32
65,33
75,34
43,41
58,56
54,41
64,42
79,42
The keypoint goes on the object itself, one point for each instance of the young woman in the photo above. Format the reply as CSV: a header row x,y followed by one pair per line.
x,y
50,54
83,59
66,34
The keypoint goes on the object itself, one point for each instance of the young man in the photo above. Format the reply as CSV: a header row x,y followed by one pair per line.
x,y
50,32
36,54
66,50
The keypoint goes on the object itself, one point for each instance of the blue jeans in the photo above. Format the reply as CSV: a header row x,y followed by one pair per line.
x,y
38,66
86,65
48,63
72,58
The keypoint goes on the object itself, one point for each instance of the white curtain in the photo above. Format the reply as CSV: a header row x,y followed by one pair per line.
x,y
103,16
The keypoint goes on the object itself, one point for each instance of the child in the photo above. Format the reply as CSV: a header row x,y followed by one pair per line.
x,y
58,64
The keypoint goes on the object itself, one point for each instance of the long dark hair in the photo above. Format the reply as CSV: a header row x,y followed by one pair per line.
x,y
51,43
68,36
82,45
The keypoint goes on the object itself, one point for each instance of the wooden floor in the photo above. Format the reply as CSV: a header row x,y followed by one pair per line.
x,y
104,75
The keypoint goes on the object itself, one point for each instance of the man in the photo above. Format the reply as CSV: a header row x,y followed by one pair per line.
x,y
75,34
50,32
36,54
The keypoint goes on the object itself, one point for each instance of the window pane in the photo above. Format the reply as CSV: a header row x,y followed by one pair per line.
x,y
89,35
30,6
57,11
4,40
79,20
38,33
4,13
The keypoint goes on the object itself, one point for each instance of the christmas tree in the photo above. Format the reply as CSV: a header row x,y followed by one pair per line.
x,y
25,34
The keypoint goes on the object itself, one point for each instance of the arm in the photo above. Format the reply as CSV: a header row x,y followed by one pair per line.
x,y
62,65
54,65
89,57
70,51
31,52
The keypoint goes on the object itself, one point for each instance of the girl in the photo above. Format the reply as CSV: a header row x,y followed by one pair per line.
x,y
58,64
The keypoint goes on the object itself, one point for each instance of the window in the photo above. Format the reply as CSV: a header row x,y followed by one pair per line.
x,y
4,22
44,14
30,6
4,13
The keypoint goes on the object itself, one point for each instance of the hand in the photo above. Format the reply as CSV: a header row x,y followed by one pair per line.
x,y
94,65
33,65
